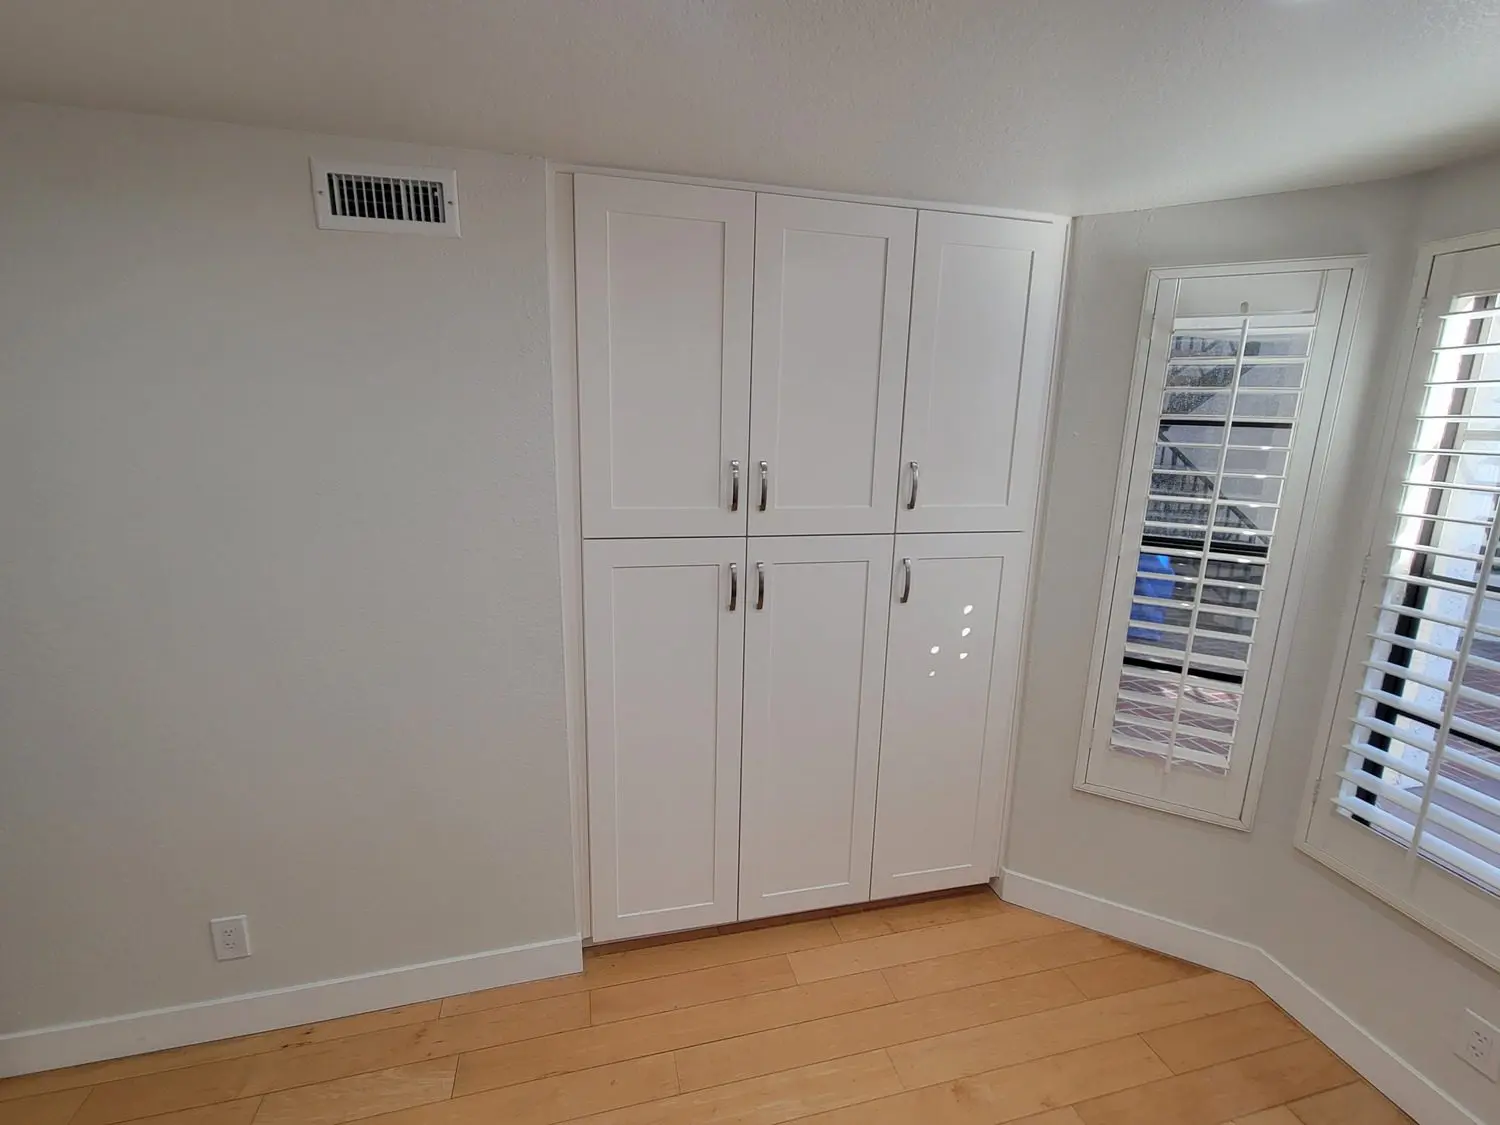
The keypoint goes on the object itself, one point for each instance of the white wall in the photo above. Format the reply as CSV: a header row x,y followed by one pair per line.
x,y
279,598
279,582
1404,985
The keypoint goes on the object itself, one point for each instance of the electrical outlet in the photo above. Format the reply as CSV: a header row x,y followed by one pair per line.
x,y
1479,1046
231,937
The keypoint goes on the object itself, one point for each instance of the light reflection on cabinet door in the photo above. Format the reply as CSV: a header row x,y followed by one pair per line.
x,y
950,670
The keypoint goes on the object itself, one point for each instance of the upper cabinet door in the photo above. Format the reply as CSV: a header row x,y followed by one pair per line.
x,y
664,306
952,664
816,610
663,649
832,304
984,314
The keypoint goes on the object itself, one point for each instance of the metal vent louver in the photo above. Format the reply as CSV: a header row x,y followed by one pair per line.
x,y
371,197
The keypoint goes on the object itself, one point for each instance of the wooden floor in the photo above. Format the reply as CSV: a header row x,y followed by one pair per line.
x,y
951,1010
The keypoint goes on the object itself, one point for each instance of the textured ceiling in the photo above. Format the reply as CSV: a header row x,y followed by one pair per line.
x,y
1074,106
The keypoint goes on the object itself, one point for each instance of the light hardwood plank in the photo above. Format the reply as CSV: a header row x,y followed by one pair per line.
x,y
363,1095
985,1012
998,962
324,1062
1229,1035
666,1031
763,923
1223,1092
239,1112
860,925
1138,968
513,994
980,902
1358,1103
602,968
178,1058
42,1109
165,1092
785,1096
1278,1116
1065,1116
625,945
1012,924
550,1100
979,1049
685,990
799,1044
1015,1092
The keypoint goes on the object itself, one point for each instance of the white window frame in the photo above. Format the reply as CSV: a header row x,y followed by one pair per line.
x,y
1442,902
1229,800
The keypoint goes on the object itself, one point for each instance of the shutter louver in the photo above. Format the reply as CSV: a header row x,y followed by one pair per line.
x,y
1225,423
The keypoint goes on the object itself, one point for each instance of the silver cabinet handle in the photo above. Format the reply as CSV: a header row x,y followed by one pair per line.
x,y
763,486
906,583
911,501
734,486
734,587
760,585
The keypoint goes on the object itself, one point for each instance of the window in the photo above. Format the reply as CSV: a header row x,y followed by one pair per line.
x,y
1237,365
1408,797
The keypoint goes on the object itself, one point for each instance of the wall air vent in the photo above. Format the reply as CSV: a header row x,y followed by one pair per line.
x,y
394,200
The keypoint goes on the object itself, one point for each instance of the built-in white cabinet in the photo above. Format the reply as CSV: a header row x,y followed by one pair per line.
x,y
664,641
815,628
952,664
810,439
983,317
663,276
832,302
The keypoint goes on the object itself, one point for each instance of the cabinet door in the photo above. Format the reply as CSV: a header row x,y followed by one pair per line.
x,y
952,663
832,304
664,281
814,665
663,641
984,313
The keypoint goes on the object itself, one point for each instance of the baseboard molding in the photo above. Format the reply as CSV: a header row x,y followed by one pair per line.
x,y
46,1048
1387,1071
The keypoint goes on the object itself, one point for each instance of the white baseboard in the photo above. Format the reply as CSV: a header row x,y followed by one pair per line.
x,y
46,1048
1387,1071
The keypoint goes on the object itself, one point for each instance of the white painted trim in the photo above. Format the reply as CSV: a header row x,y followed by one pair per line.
x,y
46,1048
811,193
560,272
1038,535
1387,1071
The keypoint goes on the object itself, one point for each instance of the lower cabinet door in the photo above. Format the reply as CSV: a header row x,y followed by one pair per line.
x,y
815,627
951,669
663,649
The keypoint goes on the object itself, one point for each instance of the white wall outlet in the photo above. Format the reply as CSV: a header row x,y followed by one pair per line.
x,y
231,937
1479,1045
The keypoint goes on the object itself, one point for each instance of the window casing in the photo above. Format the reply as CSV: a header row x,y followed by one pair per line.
x,y
1235,369
1406,799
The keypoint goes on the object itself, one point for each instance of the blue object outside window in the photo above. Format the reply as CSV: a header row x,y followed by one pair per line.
x,y
1151,588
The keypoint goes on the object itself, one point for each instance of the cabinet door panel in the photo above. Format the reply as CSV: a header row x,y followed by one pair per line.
x,y
814,666
832,304
663,674
951,668
984,313
664,274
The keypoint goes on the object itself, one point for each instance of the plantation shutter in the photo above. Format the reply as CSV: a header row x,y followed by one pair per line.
x,y
1424,758
1229,398
1406,800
